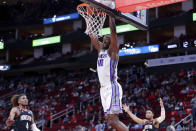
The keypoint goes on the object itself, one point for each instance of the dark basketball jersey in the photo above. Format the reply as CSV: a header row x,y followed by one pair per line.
x,y
23,121
149,126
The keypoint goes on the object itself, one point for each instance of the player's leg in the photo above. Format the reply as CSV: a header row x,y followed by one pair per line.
x,y
103,94
116,108
194,115
113,120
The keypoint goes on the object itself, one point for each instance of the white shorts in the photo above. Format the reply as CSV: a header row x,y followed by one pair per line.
x,y
111,98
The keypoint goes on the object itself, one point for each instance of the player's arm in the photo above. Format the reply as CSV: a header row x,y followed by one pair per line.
x,y
156,123
114,42
134,117
33,126
162,117
10,119
95,42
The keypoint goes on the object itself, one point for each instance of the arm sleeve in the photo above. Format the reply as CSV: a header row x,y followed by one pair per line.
x,y
162,117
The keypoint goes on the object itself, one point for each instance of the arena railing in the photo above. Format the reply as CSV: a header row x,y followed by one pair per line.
x,y
187,118
70,110
60,114
8,96
11,93
91,99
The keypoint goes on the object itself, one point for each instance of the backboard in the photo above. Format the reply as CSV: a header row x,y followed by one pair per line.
x,y
138,19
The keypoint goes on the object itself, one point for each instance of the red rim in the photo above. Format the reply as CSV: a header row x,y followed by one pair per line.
x,y
89,13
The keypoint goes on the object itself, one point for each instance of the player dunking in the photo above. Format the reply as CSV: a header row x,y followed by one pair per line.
x,y
150,124
111,91
20,118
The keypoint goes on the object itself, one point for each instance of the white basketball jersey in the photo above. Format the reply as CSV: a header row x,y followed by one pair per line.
x,y
106,69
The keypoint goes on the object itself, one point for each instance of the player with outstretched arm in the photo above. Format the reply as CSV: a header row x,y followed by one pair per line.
x,y
20,118
150,124
111,91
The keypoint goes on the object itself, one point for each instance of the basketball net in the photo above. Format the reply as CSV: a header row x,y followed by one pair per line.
x,y
95,19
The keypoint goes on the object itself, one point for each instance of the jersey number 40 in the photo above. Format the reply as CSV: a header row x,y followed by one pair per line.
x,y
100,62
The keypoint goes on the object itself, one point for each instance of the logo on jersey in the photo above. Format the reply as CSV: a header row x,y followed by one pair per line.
x,y
103,55
148,127
25,117
100,62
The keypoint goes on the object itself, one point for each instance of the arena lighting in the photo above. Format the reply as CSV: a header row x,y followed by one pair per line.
x,y
194,43
172,46
61,18
46,41
119,29
146,64
4,67
139,50
194,16
1,45
93,70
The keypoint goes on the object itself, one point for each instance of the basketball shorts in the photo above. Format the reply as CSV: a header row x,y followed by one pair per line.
x,y
111,98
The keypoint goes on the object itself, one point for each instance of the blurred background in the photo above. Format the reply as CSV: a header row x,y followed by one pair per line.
x,y
45,54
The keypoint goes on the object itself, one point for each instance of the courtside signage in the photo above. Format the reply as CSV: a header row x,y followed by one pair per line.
x,y
61,18
4,67
46,41
119,29
139,50
171,60
194,16
1,45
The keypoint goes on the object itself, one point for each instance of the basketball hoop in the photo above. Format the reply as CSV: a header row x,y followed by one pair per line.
x,y
95,19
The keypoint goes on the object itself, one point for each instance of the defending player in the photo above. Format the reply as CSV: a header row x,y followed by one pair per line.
x,y
20,118
111,91
150,124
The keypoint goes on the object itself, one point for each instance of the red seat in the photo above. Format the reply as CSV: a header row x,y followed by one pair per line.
x,y
188,110
174,113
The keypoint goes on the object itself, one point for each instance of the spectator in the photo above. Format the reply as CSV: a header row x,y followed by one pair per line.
x,y
179,128
91,125
193,103
132,104
80,128
62,128
2,103
171,127
194,128
59,90
186,124
66,119
99,126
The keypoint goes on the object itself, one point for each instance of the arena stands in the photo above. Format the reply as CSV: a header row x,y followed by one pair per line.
x,y
64,94
53,92
22,12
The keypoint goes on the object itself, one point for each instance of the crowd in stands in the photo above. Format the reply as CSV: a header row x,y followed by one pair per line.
x,y
52,92
34,11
